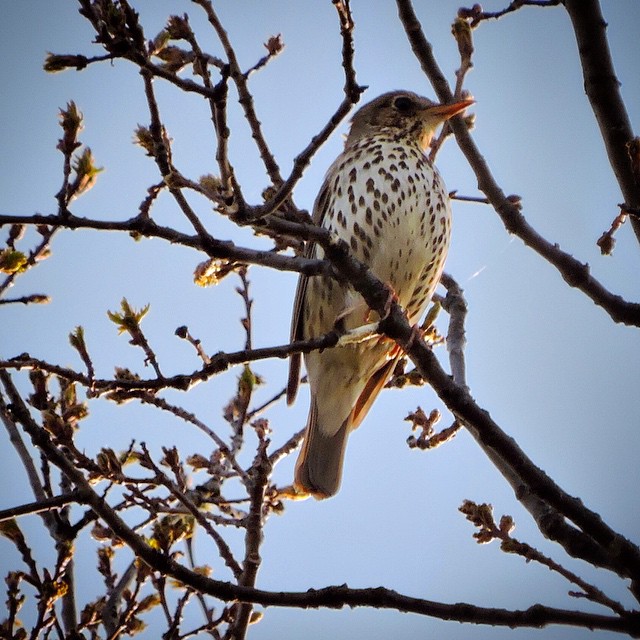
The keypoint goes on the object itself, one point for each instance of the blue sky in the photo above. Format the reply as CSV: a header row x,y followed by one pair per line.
x,y
551,368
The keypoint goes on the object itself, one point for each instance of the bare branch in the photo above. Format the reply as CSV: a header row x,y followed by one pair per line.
x,y
223,548
129,503
456,306
34,298
603,90
189,417
162,155
32,473
477,15
482,516
260,472
213,247
245,97
47,504
612,549
352,93
218,363
35,255
333,597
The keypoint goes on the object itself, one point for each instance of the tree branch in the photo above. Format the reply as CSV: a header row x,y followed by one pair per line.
x,y
550,522
603,90
143,226
47,504
260,473
352,91
245,97
477,14
456,306
218,363
32,474
619,553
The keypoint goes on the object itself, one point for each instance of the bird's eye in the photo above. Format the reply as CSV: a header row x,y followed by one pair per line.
x,y
403,104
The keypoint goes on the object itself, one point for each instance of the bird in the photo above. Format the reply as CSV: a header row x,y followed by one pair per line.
x,y
387,201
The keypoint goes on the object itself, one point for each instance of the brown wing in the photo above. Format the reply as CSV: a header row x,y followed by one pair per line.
x,y
373,387
297,333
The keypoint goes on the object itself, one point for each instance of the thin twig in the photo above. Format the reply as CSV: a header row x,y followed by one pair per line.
x,y
283,451
223,548
245,97
258,410
222,249
482,517
162,155
453,195
47,504
477,15
34,298
34,256
32,474
274,46
191,418
352,91
218,107
219,362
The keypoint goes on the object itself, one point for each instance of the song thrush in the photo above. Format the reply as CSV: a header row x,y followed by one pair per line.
x,y
382,196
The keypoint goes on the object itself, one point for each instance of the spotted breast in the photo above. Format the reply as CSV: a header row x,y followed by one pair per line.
x,y
388,202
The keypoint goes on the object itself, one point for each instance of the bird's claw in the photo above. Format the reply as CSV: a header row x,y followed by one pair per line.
x,y
417,333
392,297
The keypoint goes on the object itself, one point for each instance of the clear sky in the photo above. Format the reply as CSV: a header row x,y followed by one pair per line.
x,y
552,369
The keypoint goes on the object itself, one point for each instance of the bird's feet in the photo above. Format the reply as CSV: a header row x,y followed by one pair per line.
x,y
417,333
360,311
390,296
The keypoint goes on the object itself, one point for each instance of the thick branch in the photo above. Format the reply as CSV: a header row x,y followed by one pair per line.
x,y
623,556
603,90
260,473
550,522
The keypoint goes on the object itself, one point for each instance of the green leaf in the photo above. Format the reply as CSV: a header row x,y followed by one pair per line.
x,y
12,261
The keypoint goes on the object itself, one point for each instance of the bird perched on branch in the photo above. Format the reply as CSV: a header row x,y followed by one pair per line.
x,y
385,198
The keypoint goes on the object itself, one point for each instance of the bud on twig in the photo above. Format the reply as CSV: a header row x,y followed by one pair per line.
x,y
55,63
71,123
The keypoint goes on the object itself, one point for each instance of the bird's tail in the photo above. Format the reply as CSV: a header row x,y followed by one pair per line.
x,y
319,466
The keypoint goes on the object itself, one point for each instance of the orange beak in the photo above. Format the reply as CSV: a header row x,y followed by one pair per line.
x,y
446,111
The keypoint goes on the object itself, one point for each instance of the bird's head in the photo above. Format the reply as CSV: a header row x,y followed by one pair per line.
x,y
404,112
